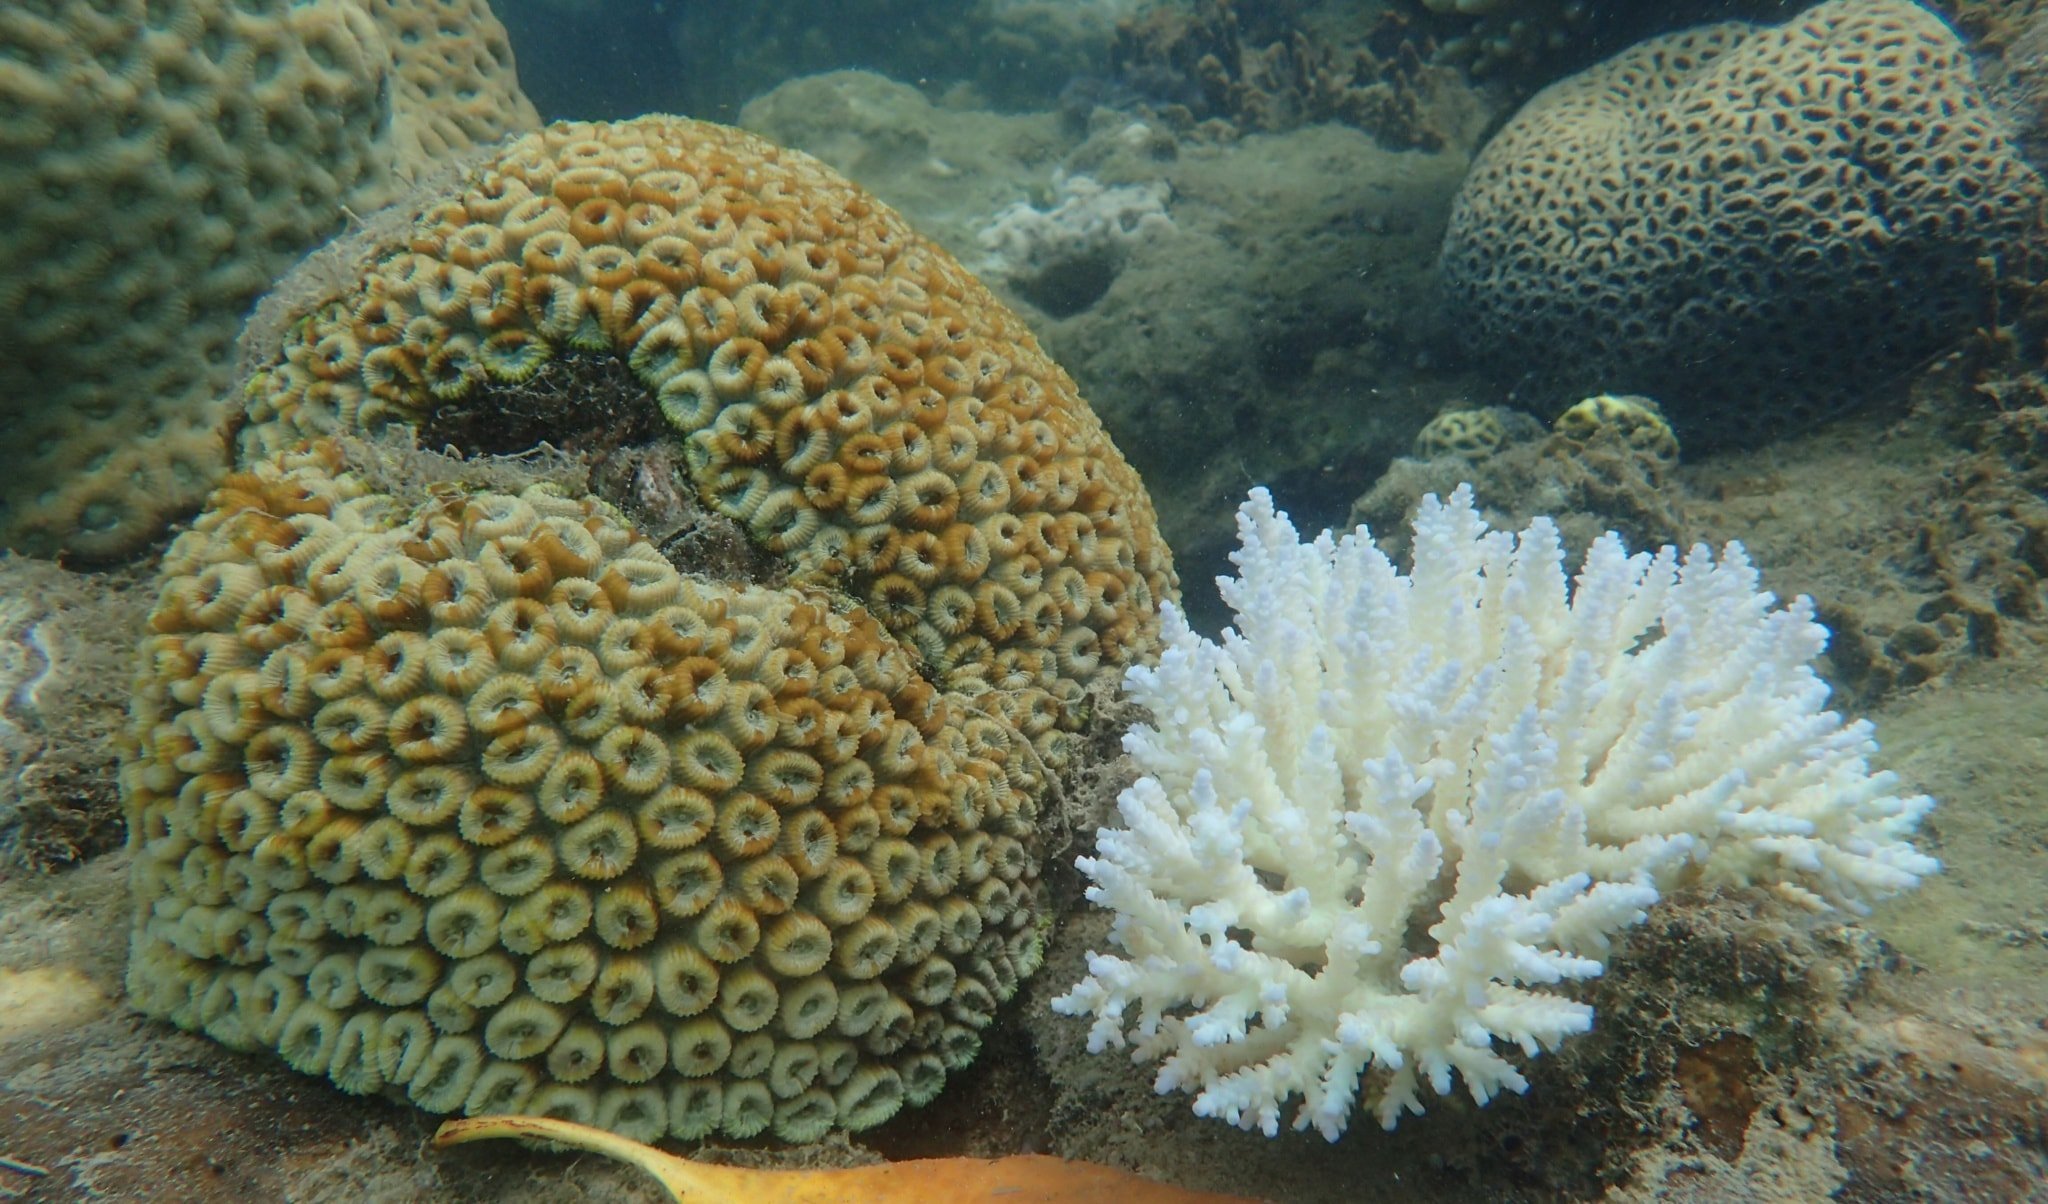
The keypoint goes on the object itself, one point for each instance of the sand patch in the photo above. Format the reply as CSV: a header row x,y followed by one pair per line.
x,y
45,998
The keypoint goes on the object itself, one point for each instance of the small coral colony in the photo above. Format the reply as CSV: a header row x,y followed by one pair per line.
x,y
484,794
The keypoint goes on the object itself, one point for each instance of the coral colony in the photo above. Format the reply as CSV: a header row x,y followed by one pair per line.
x,y
167,162
1829,213
1389,819
477,798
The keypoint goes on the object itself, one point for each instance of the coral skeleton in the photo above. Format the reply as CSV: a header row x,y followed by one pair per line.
x,y
1089,220
1390,819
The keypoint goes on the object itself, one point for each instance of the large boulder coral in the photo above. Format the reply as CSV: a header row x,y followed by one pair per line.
x,y
1750,224
472,794
839,385
486,802
160,164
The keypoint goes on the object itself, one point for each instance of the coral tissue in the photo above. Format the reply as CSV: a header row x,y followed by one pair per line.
x,y
1390,819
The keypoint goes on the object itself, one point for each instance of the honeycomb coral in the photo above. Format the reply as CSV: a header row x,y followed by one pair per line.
x,y
1474,433
161,163
481,801
1751,224
453,85
1636,422
840,386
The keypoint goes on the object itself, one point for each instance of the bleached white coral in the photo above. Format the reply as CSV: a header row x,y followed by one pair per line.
x,y
1089,220
1388,821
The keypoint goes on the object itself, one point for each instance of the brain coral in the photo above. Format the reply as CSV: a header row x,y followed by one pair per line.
x,y
478,797
161,162
1748,223
483,801
841,386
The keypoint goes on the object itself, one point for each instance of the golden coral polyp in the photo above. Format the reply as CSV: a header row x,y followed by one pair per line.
x,y
842,387
487,803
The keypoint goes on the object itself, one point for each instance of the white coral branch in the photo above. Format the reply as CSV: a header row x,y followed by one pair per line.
x,y
1389,819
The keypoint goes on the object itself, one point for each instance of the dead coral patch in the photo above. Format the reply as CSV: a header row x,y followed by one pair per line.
x,y
581,403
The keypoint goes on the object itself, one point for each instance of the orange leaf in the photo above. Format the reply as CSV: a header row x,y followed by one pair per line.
x,y
1018,1179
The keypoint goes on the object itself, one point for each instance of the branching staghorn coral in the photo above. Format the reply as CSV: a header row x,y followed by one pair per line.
x,y
1390,818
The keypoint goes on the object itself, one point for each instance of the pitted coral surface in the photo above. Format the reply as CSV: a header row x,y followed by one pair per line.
x,y
160,164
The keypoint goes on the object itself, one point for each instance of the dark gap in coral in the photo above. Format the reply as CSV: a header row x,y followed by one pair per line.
x,y
649,484
592,408
583,404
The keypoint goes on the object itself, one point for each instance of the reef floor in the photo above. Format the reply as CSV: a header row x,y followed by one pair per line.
x,y
1743,1051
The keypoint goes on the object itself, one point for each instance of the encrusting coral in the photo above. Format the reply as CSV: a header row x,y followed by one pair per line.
x,y
476,797
1637,422
1718,219
1389,820
485,802
843,388
160,164
1474,433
